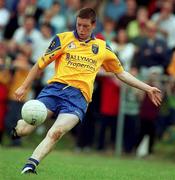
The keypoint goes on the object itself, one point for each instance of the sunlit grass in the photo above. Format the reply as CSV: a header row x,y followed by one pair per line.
x,y
72,166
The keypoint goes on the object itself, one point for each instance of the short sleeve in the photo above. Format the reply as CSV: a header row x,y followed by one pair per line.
x,y
111,62
52,53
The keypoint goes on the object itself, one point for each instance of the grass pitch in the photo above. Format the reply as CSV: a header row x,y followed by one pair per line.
x,y
72,166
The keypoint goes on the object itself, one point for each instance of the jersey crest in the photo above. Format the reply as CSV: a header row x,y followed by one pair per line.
x,y
72,45
95,48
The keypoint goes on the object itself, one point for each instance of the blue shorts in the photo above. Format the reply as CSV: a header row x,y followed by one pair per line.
x,y
60,98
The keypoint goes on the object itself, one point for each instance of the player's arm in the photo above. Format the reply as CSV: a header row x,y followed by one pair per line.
x,y
52,53
34,72
113,64
153,92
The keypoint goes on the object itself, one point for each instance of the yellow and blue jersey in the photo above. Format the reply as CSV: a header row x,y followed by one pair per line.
x,y
77,63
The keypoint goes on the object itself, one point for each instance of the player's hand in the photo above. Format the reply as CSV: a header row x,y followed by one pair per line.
x,y
19,93
155,95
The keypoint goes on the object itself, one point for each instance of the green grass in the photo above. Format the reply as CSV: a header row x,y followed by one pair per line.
x,y
65,165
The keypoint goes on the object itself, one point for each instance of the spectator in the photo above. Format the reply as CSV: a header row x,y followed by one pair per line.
x,y
27,34
85,132
131,120
165,21
11,5
149,112
115,9
154,6
171,100
108,32
124,49
33,10
109,106
153,51
45,38
20,69
4,81
57,16
44,5
43,43
138,27
130,14
16,20
171,65
5,15
46,17
71,8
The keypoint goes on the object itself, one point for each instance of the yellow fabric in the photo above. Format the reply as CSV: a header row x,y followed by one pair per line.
x,y
17,80
171,66
5,76
77,63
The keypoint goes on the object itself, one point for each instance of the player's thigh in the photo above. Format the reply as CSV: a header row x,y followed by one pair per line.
x,y
65,121
49,113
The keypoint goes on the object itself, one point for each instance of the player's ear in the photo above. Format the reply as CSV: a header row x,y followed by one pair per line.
x,y
94,25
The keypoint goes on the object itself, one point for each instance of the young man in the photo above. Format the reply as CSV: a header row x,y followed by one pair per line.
x,y
78,56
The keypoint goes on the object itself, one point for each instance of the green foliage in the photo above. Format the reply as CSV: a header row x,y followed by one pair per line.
x,y
71,166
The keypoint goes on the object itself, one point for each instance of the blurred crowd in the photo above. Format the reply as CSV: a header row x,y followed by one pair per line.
x,y
141,33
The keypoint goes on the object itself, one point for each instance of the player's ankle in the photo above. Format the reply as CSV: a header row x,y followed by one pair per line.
x,y
30,166
33,161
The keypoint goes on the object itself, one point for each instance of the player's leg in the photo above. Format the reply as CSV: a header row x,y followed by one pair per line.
x,y
63,124
22,128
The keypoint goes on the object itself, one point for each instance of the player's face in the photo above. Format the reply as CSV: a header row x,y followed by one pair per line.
x,y
84,28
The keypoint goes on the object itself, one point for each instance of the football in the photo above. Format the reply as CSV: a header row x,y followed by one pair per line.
x,y
34,112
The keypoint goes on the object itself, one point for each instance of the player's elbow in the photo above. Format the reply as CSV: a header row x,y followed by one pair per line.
x,y
39,69
122,76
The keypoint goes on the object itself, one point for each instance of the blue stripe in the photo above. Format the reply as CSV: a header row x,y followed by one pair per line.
x,y
92,37
108,47
54,45
34,160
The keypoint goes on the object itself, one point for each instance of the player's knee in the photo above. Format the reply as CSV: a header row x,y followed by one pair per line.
x,y
56,134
